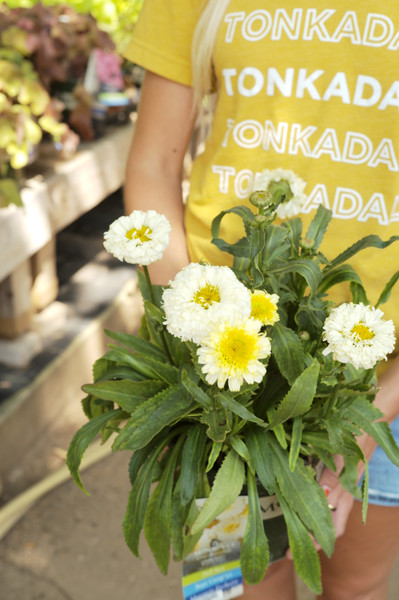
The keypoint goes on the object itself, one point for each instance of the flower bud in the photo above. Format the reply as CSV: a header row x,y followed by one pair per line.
x,y
261,199
261,219
306,243
304,335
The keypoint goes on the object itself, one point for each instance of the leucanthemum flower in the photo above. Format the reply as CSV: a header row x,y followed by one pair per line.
x,y
140,238
199,296
264,307
292,206
233,351
357,334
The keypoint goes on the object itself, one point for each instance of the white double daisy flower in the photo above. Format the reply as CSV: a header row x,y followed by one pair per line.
x,y
264,307
357,334
292,207
233,351
199,296
140,238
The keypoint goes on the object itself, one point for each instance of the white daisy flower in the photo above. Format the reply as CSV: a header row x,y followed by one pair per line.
x,y
292,206
264,307
232,352
357,334
140,238
198,297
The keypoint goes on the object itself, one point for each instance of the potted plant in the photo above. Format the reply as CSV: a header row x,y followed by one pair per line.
x,y
240,377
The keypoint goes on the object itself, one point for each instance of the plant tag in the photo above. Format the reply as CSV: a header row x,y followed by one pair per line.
x,y
212,570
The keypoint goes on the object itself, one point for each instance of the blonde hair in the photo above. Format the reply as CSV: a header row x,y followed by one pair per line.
x,y
204,39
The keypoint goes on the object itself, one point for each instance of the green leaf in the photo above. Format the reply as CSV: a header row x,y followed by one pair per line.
x,y
151,417
145,365
276,243
261,456
157,522
386,293
309,270
100,369
311,315
358,293
370,241
294,227
81,440
145,291
255,553
245,214
137,460
337,275
238,409
213,455
365,491
180,517
364,415
349,475
93,407
304,495
300,397
239,249
192,461
133,521
288,352
226,488
120,372
138,344
154,314
190,541
318,226
126,393
219,423
239,446
279,432
306,559
154,318
190,385
296,440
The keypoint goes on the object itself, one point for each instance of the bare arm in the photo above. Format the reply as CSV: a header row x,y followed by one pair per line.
x,y
155,164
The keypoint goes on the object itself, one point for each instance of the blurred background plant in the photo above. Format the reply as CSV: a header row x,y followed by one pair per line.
x,y
44,54
26,113
117,17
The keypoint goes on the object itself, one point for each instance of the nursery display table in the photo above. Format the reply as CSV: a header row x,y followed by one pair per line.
x,y
54,195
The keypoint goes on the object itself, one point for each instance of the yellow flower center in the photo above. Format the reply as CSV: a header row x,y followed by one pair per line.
x,y
362,332
262,308
237,348
207,295
143,234
231,527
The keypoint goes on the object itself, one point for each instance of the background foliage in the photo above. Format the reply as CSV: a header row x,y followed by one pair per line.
x,y
117,17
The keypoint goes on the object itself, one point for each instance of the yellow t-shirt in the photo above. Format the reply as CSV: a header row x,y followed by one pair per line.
x,y
314,90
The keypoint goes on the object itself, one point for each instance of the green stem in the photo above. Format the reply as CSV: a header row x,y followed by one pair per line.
x,y
149,284
329,407
153,300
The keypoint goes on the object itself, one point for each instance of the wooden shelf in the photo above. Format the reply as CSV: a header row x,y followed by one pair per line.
x,y
53,197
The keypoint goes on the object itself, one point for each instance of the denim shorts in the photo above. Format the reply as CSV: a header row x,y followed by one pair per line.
x,y
384,475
